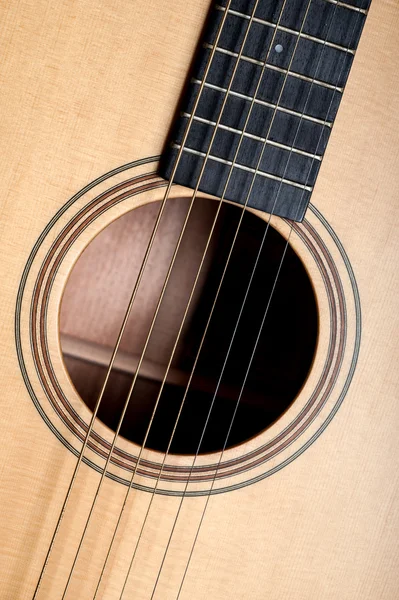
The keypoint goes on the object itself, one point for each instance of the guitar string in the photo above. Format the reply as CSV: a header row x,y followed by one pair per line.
x,y
259,333
220,203
197,359
155,314
128,310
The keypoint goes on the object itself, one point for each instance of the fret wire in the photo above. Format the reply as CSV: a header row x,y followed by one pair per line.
x,y
288,111
305,78
244,167
305,36
252,136
364,11
254,61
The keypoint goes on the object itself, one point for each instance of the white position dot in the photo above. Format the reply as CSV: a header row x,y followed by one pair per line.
x,y
279,48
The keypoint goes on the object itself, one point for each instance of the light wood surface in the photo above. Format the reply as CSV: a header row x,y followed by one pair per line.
x,y
87,87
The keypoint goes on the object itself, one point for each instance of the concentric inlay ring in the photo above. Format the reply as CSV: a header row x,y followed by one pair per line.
x,y
39,354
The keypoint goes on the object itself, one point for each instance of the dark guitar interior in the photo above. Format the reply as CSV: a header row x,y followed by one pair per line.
x,y
98,293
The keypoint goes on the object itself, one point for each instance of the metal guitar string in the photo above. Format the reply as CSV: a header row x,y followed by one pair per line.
x,y
159,302
258,336
207,327
129,308
220,203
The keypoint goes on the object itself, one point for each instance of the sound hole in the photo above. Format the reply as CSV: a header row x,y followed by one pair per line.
x,y
209,382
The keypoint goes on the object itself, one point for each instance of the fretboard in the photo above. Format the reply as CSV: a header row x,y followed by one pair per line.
x,y
281,90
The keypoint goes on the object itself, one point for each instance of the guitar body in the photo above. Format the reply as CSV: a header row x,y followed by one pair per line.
x,y
303,511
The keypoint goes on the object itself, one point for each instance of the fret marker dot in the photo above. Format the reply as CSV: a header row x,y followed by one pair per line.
x,y
279,48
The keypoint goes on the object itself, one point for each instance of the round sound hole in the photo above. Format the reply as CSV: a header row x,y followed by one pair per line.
x,y
214,375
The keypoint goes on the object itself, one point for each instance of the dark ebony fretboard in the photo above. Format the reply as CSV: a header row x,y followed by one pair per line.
x,y
300,89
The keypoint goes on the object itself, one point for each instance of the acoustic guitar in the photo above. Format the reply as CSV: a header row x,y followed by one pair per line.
x,y
199,317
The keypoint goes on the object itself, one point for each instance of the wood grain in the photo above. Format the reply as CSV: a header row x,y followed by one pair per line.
x,y
87,87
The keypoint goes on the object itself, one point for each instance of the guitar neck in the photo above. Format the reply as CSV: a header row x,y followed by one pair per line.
x,y
264,93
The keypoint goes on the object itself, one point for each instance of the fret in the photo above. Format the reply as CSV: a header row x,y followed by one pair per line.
x,y
350,6
286,29
269,10
254,137
274,68
237,165
267,104
305,78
